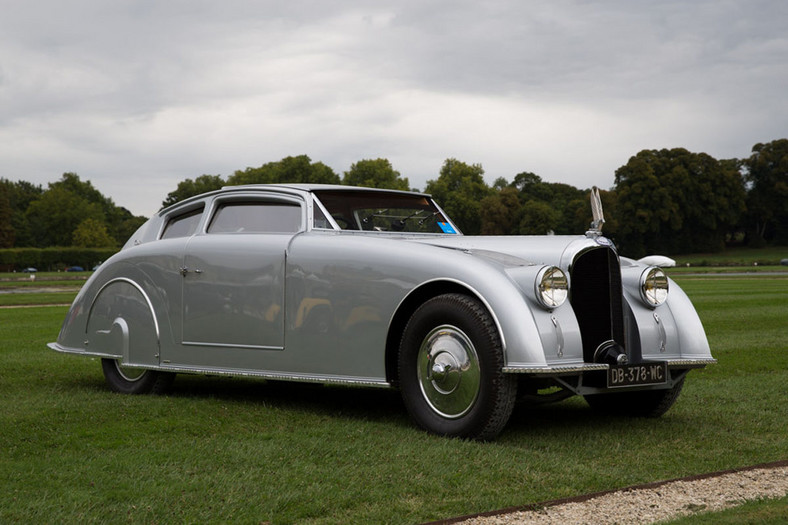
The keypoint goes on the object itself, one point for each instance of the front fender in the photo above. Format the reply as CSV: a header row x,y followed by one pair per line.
x,y
531,336
540,337
671,331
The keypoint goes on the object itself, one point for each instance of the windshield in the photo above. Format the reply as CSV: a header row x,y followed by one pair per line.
x,y
384,212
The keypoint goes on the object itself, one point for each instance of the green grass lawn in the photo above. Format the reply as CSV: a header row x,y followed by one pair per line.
x,y
726,270
47,298
41,283
220,450
736,257
44,276
760,512
17,289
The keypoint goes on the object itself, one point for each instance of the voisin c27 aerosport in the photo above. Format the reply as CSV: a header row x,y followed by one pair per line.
x,y
359,286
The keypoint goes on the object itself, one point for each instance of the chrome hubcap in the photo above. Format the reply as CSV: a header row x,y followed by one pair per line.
x,y
129,374
448,371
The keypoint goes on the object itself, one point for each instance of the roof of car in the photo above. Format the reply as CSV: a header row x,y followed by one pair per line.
x,y
320,187
289,186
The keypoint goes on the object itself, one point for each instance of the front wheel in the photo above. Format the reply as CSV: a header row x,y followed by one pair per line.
x,y
135,380
450,369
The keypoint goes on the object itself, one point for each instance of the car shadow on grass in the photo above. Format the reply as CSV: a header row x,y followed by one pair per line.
x,y
574,418
571,417
377,404
568,417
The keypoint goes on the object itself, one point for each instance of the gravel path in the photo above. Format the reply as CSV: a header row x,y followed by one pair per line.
x,y
655,502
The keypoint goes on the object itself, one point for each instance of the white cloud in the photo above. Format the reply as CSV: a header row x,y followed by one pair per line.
x,y
138,95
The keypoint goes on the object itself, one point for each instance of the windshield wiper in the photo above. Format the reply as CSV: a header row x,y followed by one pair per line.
x,y
375,215
431,215
399,224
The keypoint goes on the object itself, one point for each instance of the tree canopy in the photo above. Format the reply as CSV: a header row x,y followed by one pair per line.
x,y
92,233
677,201
767,198
664,201
376,173
7,234
459,189
298,169
70,212
190,188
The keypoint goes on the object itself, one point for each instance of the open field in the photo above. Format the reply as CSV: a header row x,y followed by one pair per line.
x,y
723,271
770,256
46,288
231,450
15,278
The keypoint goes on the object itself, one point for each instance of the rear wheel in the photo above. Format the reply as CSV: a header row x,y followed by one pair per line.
x,y
128,380
450,369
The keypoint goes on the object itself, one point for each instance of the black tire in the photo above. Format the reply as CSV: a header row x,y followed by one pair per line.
x,y
450,370
642,403
135,380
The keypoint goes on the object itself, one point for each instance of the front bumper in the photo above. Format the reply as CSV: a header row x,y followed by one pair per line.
x,y
589,378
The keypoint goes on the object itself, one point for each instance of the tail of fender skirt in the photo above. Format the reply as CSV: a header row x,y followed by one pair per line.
x,y
597,299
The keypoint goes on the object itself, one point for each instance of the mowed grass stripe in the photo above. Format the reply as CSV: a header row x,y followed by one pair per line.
x,y
220,450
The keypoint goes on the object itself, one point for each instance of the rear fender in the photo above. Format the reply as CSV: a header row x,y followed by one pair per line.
x,y
122,323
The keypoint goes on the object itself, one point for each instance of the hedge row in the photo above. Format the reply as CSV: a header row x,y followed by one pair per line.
x,y
52,259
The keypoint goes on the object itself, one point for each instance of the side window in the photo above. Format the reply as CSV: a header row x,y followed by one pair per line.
x,y
320,220
256,217
182,225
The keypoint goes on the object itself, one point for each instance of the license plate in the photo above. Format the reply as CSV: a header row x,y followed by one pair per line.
x,y
637,374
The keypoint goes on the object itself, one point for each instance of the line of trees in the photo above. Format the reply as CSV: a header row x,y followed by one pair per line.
x,y
70,212
665,201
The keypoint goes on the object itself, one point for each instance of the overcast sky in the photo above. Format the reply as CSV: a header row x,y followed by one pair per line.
x,y
136,96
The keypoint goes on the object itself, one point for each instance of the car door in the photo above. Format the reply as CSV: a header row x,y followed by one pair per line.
x,y
233,278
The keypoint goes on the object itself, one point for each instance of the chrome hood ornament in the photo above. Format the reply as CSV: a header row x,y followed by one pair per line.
x,y
598,214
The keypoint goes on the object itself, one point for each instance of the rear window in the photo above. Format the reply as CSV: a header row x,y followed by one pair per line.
x,y
182,225
256,217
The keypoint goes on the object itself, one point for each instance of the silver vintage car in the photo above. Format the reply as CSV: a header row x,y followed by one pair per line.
x,y
359,286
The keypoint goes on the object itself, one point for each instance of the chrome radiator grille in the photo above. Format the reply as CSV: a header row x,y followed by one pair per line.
x,y
596,297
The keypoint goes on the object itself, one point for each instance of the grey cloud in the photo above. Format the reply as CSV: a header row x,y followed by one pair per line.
x,y
161,91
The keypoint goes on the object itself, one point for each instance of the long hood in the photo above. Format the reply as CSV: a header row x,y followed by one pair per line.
x,y
558,250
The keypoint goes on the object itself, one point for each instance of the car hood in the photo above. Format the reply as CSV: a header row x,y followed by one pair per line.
x,y
520,250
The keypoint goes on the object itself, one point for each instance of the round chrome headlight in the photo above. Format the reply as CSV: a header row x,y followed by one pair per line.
x,y
654,286
552,287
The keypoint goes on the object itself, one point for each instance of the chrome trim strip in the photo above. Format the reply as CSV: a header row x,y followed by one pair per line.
x,y
690,363
141,291
559,336
280,376
587,367
79,351
554,370
231,345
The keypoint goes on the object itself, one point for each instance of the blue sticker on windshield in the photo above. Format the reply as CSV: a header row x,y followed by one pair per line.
x,y
446,227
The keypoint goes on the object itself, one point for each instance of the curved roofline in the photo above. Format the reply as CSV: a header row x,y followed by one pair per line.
x,y
323,187
298,187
